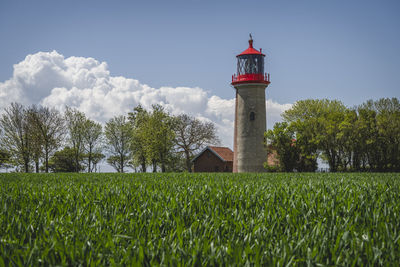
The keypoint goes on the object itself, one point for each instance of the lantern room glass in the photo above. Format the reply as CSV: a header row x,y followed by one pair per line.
x,y
250,64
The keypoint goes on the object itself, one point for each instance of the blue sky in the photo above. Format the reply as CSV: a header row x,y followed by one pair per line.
x,y
346,50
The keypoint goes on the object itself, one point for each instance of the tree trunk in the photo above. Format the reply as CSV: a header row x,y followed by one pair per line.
x,y
143,163
37,166
121,163
76,161
331,160
46,160
188,163
162,161
90,159
163,167
26,165
154,165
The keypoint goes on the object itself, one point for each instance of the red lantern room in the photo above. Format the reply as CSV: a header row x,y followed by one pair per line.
x,y
250,67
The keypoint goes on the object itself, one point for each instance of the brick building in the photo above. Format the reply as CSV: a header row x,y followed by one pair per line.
x,y
220,159
213,159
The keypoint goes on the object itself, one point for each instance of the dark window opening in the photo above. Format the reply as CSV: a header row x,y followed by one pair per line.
x,y
252,116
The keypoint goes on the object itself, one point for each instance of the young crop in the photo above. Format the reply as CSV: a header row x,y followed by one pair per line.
x,y
199,219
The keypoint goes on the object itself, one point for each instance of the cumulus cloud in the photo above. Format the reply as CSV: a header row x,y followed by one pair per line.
x,y
85,83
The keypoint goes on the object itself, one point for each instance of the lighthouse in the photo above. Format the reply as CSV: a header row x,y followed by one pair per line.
x,y
250,82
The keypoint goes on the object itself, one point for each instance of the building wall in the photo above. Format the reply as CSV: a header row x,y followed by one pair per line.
x,y
209,162
249,151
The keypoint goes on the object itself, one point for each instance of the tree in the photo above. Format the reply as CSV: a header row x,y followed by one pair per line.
x,y
5,159
349,141
138,119
118,132
281,138
294,150
191,135
362,138
96,158
47,130
36,143
153,135
65,161
319,120
175,162
92,138
75,122
388,124
160,136
16,136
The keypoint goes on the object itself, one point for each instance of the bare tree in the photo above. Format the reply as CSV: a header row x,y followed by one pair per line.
x,y
36,141
4,155
16,138
191,135
118,132
47,127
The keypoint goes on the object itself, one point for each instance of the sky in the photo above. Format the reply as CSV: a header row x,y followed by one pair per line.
x,y
105,57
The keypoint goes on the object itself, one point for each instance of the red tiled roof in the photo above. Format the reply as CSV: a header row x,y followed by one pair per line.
x,y
224,152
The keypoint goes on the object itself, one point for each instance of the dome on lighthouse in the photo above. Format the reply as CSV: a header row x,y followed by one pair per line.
x,y
250,67
251,50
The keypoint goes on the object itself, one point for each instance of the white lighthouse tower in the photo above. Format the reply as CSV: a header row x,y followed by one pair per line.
x,y
250,82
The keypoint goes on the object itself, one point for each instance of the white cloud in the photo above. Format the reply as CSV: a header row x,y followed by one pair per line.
x,y
85,83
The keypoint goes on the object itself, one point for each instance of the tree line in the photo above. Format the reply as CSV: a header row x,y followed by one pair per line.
x,y
43,139
362,138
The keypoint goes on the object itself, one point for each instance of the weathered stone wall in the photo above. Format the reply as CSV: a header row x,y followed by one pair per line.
x,y
249,150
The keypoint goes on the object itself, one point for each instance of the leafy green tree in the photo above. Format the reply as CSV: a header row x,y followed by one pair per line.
x,y
349,141
93,142
138,119
5,159
282,138
175,162
362,138
367,133
118,132
158,137
96,158
65,161
47,129
293,149
378,132
76,122
319,120
162,139
153,137
36,143
388,124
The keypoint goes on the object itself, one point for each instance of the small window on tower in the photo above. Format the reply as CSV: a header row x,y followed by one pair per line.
x,y
252,116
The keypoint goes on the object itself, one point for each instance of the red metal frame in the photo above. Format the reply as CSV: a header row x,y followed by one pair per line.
x,y
251,78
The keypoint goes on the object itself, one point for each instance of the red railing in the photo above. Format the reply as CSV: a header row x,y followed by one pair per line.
x,y
251,77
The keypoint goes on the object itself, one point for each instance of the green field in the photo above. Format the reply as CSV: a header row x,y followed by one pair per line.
x,y
200,219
